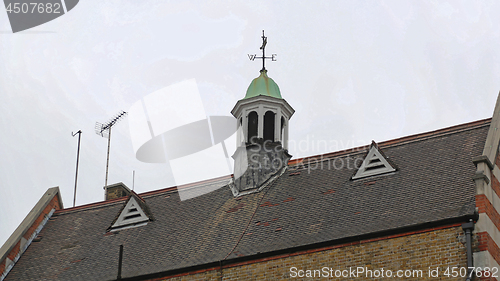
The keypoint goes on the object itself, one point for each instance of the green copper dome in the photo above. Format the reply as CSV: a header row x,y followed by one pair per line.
x,y
263,86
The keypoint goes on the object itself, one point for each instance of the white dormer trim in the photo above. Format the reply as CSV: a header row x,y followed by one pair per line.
x,y
373,164
131,215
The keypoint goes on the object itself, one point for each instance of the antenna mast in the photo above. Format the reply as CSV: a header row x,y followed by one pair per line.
x,y
104,130
77,158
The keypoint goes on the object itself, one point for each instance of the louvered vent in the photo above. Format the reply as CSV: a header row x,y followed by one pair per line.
x,y
373,164
131,215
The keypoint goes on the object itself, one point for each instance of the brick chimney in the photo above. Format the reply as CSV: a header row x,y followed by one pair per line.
x,y
117,190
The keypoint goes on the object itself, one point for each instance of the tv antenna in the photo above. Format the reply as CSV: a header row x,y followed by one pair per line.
x,y
104,130
77,158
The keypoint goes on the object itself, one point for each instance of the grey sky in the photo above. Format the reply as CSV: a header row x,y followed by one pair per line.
x,y
353,71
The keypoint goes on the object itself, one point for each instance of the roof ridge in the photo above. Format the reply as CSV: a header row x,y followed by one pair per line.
x,y
188,185
90,206
142,196
437,133
399,141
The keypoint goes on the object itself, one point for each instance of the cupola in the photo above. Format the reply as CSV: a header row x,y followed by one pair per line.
x,y
263,114
262,117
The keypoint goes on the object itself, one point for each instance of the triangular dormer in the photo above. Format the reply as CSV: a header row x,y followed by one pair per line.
x,y
374,164
134,213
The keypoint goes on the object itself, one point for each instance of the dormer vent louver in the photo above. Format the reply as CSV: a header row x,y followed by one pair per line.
x,y
131,215
373,164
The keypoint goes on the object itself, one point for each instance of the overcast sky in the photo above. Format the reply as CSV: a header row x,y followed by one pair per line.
x,y
354,71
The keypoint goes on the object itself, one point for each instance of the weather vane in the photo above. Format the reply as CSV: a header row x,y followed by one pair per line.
x,y
263,48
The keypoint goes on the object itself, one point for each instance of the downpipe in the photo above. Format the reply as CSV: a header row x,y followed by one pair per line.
x,y
468,227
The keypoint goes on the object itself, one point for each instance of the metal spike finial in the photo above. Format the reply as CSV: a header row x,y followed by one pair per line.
x,y
263,48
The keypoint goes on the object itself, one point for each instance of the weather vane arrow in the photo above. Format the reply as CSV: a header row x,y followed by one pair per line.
x,y
263,48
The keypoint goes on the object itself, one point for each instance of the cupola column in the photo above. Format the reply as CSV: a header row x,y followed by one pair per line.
x,y
285,135
261,113
244,128
277,126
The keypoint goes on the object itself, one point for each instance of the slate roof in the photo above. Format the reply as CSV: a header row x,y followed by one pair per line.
x,y
305,206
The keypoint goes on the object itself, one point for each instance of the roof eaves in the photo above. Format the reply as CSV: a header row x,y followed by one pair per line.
x,y
308,248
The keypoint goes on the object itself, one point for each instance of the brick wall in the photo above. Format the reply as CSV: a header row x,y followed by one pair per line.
x,y
486,242
488,226
413,251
